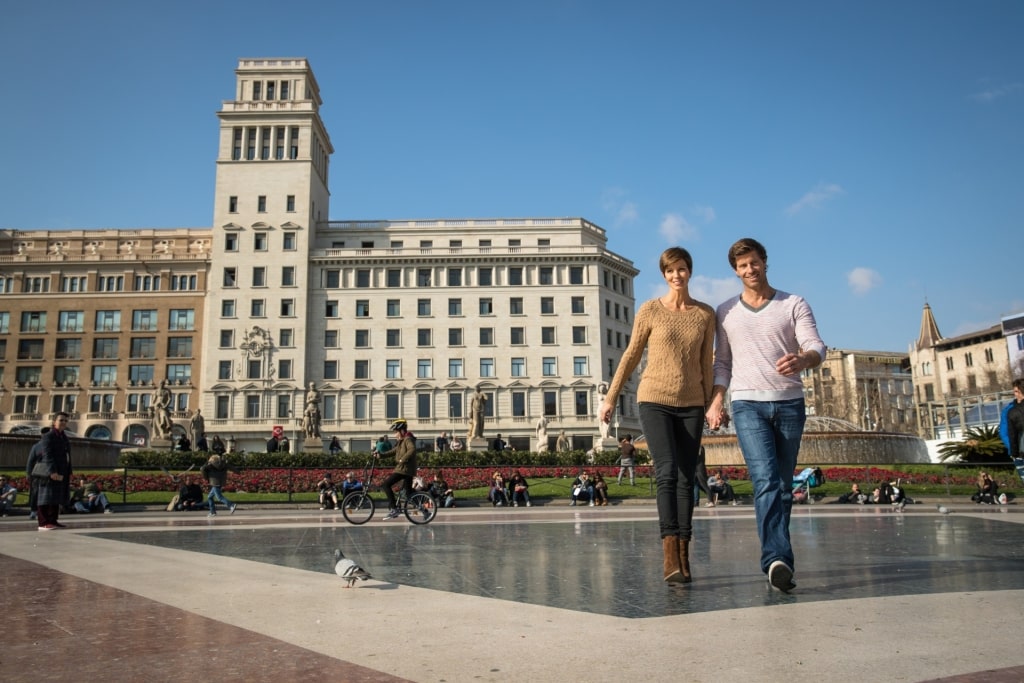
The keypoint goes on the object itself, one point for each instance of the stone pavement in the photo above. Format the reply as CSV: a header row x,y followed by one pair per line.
x,y
484,594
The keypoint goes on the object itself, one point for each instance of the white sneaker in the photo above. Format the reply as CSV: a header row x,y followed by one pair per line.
x,y
1002,499
591,503
529,504
392,514
780,576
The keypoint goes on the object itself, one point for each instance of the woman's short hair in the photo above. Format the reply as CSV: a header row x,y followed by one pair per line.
x,y
673,254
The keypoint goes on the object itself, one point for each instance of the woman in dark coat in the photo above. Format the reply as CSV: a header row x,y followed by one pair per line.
x,y
54,488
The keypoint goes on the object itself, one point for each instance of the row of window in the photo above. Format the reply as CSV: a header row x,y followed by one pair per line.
x,y
103,348
104,321
260,142
101,375
926,367
361,370
451,276
98,403
103,283
394,405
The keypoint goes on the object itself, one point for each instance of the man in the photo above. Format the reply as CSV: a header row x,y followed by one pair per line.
x,y
1015,422
441,443
764,339
498,444
8,494
55,483
627,459
405,464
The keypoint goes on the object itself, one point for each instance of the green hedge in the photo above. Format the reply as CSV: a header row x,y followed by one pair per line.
x,y
177,460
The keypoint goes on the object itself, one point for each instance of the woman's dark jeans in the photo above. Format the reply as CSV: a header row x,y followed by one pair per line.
x,y
673,438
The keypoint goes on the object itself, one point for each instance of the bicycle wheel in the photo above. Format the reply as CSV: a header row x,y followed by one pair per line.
x,y
420,508
358,507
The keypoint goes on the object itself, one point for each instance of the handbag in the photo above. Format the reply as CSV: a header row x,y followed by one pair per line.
x,y
41,471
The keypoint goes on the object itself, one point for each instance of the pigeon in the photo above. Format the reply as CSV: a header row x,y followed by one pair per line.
x,y
348,570
943,509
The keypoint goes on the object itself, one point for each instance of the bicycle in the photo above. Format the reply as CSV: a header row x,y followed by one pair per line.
x,y
358,507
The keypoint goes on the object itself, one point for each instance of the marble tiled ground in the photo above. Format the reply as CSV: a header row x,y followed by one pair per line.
x,y
527,594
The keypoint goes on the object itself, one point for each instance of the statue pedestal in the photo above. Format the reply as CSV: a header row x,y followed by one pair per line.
x,y
477,444
312,444
608,444
161,444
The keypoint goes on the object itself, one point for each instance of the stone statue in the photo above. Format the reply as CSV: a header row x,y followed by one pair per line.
x,y
562,444
476,416
602,391
542,434
311,416
161,407
198,426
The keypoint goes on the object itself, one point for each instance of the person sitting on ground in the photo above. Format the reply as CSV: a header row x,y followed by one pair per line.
x,y
719,489
350,484
89,498
899,496
854,495
441,492
883,494
519,490
582,488
497,494
8,494
988,490
327,493
600,489
190,496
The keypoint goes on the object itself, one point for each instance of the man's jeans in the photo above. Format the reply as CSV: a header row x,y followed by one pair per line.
x,y
214,495
673,439
769,435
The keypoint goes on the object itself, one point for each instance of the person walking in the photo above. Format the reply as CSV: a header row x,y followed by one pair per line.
x,y
765,339
215,472
678,334
627,459
54,482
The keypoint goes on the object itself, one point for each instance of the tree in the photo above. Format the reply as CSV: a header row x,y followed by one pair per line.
x,y
979,444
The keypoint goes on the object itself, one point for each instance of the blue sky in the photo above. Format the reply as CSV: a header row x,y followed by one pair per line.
x,y
876,148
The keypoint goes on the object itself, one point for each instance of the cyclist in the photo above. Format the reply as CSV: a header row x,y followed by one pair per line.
x,y
405,464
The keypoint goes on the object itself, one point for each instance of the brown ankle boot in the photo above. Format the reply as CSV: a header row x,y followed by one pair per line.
x,y
684,560
670,548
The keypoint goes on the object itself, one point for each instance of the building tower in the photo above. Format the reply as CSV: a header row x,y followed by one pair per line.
x,y
271,190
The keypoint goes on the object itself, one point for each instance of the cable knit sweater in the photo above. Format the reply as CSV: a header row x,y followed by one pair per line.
x,y
680,347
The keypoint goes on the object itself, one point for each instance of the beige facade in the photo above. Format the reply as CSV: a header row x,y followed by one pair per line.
x,y
91,321
870,389
959,380
384,318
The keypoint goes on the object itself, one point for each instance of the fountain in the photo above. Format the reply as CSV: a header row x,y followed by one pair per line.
x,y
829,441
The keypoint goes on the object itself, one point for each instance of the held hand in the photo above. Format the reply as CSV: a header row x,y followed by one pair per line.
x,y
605,413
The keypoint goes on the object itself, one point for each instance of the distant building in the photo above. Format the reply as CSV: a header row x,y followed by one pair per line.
x,y
960,381
871,389
386,318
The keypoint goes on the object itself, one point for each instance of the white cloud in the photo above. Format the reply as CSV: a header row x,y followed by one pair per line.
x,y
705,214
863,280
676,229
623,212
714,291
993,93
815,198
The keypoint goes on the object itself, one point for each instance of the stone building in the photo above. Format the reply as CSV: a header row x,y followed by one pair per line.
x,y
385,318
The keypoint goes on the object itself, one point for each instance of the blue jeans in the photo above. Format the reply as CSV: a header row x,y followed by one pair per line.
x,y
216,494
673,439
769,434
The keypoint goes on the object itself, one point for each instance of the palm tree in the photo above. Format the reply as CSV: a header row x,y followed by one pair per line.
x,y
979,444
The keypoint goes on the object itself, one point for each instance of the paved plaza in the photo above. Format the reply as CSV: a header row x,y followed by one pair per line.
x,y
538,593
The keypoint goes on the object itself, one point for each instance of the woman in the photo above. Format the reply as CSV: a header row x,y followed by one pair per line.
x,y
600,489
497,494
520,490
678,333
